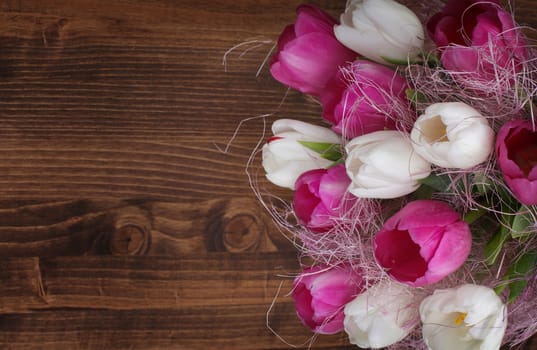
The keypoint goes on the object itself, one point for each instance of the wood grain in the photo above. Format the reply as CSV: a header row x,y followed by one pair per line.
x,y
151,302
137,227
127,220
133,283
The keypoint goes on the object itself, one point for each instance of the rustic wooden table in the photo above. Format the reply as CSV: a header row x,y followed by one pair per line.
x,y
124,221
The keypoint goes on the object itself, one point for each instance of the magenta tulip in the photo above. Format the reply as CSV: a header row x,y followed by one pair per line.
x,y
363,98
516,152
319,197
477,37
422,243
308,52
321,293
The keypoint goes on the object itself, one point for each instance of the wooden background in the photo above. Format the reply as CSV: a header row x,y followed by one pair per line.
x,y
124,221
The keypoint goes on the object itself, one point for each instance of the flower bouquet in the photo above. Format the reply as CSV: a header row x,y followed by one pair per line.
x,y
415,204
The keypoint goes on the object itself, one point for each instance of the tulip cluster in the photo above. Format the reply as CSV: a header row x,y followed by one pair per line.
x,y
384,142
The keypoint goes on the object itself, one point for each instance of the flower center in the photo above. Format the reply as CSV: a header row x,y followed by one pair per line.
x,y
434,130
401,256
461,316
523,150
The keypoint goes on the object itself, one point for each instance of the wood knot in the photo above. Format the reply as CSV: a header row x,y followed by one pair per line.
x,y
131,234
53,32
129,240
241,233
237,226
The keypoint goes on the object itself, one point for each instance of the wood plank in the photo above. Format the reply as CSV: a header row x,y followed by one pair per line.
x,y
215,327
108,100
130,283
147,303
137,227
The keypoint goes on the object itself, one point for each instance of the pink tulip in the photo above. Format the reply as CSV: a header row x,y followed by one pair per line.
x,y
476,36
423,243
516,152
318,198
308,52
363,98
321,293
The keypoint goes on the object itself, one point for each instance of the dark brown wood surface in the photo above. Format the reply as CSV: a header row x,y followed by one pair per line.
x,y
126,217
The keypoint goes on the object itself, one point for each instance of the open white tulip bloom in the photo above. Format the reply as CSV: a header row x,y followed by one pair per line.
x,y
469,317
383,164
452,135
381,316
285,158
381,30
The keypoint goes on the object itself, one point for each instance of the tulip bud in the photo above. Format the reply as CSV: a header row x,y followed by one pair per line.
x,y
467,317
516,152
383,164
365,97
422,243
452,135
286,155
381,316
320,294
478,40
308,52
381,30
320,197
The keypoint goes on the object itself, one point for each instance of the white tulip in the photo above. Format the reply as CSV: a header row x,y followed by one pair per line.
x,y
469,317
452,135
381,30
383,164
381,316
285,158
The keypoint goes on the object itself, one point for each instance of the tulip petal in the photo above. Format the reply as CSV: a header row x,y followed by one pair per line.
x,y
422,243
287,174
396,252
306,197
308,53
476,40
308,132
516,152
423,213
303,304
383,164
379,29
311,19
333,187
482,326
320,294
380,316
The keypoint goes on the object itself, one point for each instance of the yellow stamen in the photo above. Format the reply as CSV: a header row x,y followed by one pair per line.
x,y
460,318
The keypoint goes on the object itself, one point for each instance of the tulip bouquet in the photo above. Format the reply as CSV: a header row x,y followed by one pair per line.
x,y
415,204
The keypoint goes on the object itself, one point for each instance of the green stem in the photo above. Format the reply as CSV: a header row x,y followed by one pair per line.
x,y
473,215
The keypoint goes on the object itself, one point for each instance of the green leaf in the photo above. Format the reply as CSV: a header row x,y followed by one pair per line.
x,y
499,289
509,204
397,62
518,272
495,196
473,215
495,245
415,97
431,60
438,182
521,222
482,184
330,151
423,192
